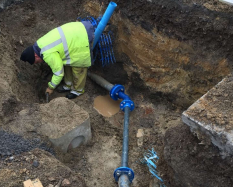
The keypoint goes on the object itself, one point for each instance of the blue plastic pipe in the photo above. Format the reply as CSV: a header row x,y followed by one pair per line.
x,y
104,21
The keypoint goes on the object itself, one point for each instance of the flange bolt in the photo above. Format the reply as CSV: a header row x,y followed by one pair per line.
x,y
118,173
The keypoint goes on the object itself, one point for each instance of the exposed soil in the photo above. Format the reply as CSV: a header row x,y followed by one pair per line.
x,y
186,21
183,162
37,164
195,163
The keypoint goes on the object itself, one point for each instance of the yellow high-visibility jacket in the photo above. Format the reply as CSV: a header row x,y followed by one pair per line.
x,y
67,45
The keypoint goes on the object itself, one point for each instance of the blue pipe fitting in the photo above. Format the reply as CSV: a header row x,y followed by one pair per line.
x,y
104,21
127,103
114,93
124,171
123,96
117,92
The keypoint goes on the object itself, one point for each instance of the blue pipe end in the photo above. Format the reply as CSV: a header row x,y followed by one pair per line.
x,y
113,4
101,26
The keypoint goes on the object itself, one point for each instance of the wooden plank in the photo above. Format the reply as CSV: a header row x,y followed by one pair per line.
x,y
28,183
37,183
34,183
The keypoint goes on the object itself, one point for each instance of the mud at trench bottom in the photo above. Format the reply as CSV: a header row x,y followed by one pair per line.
x,y
12,144
106,106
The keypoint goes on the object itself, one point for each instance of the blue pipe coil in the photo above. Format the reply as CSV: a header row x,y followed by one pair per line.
x,y
101,26
104,47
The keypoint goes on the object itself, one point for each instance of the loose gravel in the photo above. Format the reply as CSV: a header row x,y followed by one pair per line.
x,y
12,144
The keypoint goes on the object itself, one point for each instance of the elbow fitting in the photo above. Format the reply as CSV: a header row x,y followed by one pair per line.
x,y
117,92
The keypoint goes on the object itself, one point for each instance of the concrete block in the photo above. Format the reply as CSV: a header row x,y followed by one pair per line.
x,y
65,123
211,116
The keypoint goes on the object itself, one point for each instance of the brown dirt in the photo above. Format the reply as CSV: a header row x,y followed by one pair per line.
x,y
194,163
179,48
49,170
22,85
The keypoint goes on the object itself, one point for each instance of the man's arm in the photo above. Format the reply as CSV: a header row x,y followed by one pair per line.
x,y
55,62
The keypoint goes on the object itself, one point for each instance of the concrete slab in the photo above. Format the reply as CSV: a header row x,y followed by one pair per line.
x,y
211,115
65,123
229,2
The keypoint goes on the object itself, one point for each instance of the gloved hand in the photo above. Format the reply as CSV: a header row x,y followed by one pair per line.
x,y
49,90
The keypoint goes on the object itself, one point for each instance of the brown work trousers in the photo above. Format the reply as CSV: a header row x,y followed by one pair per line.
x,y
75,79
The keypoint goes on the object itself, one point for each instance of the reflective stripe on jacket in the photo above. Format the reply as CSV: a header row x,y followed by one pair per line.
x,y
66,45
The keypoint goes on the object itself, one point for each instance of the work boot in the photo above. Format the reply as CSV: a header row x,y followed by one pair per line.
x,y
61,89
71,96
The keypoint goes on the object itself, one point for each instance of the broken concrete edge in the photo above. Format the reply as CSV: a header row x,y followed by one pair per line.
x,y
6,3
217,135
229,2
220,138
83,129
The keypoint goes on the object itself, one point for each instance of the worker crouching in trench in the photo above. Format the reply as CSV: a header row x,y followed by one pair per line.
x,y
68,51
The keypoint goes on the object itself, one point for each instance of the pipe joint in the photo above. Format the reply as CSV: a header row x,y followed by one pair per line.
x,y
124,171
127,103
115,91
123,96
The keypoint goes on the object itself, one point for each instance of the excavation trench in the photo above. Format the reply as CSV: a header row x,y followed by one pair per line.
x,y
169,53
